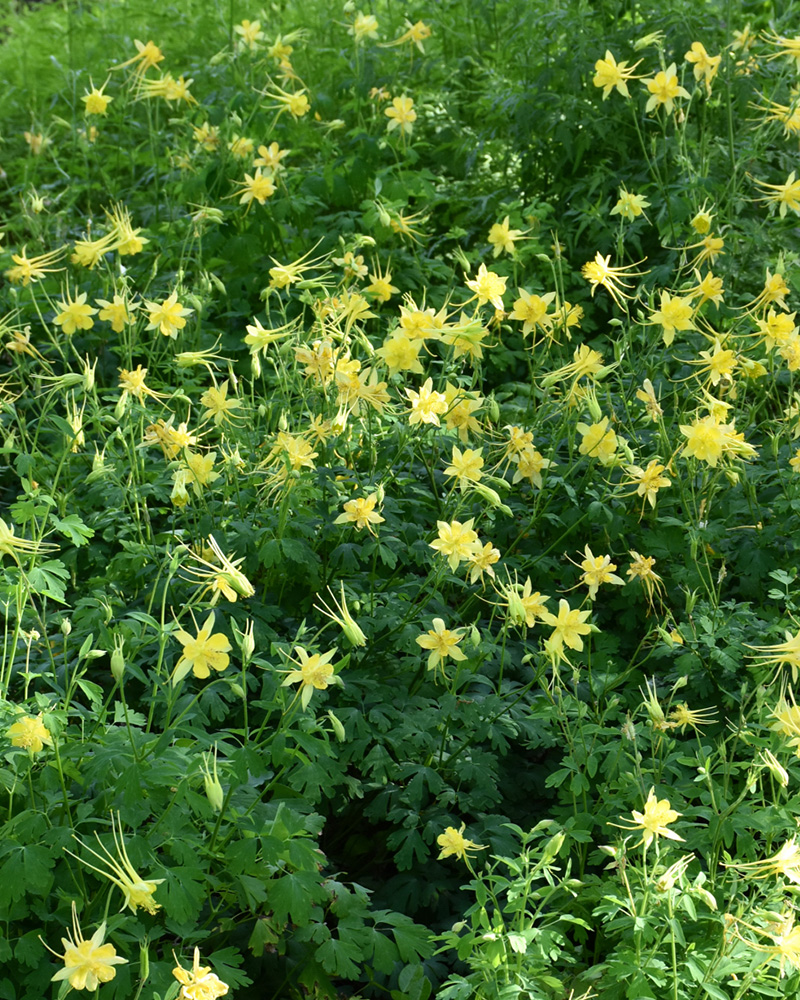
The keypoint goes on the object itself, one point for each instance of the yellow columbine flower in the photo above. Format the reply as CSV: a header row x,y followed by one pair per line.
x,y
453,843
599,272
200,983
598,570
255,187
653,822
503,238
222,578
75,314
138,892
217,405
664,88
785,862
427,405
30,733
361,512
95,101
416,33
456,541
315,673
27,269
642,569
675,314
648,481
340,614
787,196
568,627
630,205
465,466
682,716
87,963
705,66
442,643
401,115
297,104
597,441
250,33
14,546
168,316
531,311
202,653
147,56
781,654
363,26
488,287
610,74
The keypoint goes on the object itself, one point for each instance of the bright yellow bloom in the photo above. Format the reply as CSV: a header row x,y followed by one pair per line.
x,y
168,316
648,481
200,983
709,439
503,238
642,569
147,57
568,627
630,206
711,247
664,88
531,311
610,74
719,363
709,289
222,578
647,395
789,47
315,673
787,195
132,384
524,605
705,66
530,464
138,892
258,338
488,287
87,963
676,313
456,541
361,512
255,187
682,716
75,314
415,33
27,269
598,570
426,405
781,654
129,242
381,285
363,26
785,862
270,157
401,115
250,33
207,136
599,272
654,821
30,733
217,405
465,466
297,104
442,643
774,292
95,101
597,441
202,653
453,843
482,560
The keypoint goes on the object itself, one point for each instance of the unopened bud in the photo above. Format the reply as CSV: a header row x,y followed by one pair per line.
x,y
552,847
118,659
66,626
211,782
338,728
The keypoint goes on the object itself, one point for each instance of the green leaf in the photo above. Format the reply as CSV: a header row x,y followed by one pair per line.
x,y
339,957
292,896
48,579
73,527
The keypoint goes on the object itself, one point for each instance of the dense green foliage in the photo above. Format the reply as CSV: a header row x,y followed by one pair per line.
x,y
400,484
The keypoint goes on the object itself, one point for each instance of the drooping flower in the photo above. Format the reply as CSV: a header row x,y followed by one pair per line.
x,y
138,892
202,653
87,963
27,269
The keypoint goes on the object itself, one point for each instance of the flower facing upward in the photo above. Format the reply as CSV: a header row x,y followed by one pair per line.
x,y
568,627
610,74
503,238
598,570
426,405
363,26
488,287
250,33
201,653
95,101
465,466
648,481
456,541
315,673
401,115
87,963
361,512
664,88
442,642
654,821
630,205
198,983
138,892
30,733
168,316
255,187
598,441
75,314
454,844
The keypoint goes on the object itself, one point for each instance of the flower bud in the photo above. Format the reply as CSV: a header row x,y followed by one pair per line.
x,y
118,659
338,728
211,782
66,626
